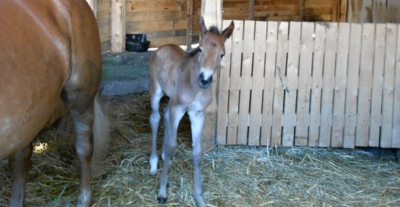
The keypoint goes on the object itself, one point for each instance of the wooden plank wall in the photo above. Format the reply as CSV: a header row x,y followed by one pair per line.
x,y
298,84
285,10
104,22
374,11
163,21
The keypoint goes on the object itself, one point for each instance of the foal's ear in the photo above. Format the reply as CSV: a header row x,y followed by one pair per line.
x,y
203,27
228,31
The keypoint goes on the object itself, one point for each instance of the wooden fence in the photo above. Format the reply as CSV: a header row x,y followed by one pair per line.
x,y
310,84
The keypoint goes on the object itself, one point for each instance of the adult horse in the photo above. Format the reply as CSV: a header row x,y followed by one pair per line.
x,y
186,79
49,51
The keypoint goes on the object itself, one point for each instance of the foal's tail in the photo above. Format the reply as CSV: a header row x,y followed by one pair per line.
x,y
101,135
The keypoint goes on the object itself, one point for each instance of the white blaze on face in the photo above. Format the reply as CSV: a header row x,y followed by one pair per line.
x,y
207,73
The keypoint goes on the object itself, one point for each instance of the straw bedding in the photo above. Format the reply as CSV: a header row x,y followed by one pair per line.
x,y
233,176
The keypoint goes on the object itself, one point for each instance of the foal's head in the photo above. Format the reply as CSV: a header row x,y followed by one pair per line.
x,y
212,50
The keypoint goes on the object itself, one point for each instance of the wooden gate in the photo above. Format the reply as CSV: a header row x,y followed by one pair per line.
x,y
310,84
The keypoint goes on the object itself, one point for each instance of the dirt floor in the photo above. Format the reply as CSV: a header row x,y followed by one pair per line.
x,y
233,176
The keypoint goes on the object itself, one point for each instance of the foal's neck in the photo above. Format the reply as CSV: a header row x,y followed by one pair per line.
x,y
191,69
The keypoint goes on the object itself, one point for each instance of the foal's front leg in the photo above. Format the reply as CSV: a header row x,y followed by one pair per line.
x,y
197,121
170,144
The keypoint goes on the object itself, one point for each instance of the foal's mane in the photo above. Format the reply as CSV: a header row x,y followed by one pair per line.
x,y
212,29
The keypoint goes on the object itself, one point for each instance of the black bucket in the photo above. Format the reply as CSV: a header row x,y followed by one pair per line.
x,y
136,43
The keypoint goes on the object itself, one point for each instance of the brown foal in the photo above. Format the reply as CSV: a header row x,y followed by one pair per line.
x,y
186,79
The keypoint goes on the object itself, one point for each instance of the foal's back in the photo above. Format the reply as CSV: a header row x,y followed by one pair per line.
x,y
165,66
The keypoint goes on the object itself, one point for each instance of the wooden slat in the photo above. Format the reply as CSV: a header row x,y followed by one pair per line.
x,y
149,16
223,89
159,41
301,10
365,85
257,83
328,85
140,27
245,85
303,97
105,33
340,85
334,9
396,106
269,83
343,11
318,64
352,86
388,87
104,6
103,15
152,6
237,48
280,80
251,9
376,100
291,84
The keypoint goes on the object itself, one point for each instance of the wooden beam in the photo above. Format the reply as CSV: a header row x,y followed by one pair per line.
x,y
118,26
93,5
189,28
211,11
251,10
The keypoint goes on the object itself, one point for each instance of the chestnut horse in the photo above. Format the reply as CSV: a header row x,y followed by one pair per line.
x,y
49,51
186,80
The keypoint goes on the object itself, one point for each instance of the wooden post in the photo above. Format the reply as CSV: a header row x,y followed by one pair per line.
x,y
117,26
251,10
93,5
189,28
211,11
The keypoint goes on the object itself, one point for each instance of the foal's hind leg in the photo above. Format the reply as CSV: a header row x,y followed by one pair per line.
x,y
19,165
81,106
156,94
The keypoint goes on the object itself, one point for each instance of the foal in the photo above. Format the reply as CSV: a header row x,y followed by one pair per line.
x,y
186,80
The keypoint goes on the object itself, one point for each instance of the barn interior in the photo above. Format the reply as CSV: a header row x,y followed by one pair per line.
x,y
233,174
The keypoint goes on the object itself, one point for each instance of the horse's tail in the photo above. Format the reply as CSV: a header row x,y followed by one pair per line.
x,y
101,135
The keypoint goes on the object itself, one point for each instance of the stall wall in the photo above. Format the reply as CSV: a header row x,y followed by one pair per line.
x,y
374,11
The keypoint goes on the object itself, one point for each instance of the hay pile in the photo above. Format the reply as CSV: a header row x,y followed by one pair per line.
x,y
233,176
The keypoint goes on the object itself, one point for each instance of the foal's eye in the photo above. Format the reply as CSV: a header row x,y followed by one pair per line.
x,y
200,50
222,55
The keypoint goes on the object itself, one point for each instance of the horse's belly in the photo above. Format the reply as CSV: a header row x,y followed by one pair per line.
x,y
21,122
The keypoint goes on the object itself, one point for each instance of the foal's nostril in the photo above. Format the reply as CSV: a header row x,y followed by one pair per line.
x,y
205,83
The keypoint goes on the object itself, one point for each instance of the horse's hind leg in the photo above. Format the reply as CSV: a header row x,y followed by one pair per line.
x,y
81,106
156,94
19,165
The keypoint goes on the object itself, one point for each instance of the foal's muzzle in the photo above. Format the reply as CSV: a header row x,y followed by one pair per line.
x,y
205,83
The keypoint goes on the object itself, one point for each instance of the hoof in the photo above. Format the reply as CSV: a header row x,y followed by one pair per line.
x,y
161,200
